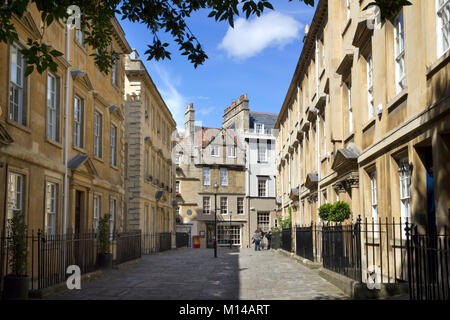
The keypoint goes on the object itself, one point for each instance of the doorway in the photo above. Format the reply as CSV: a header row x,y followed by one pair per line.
x,y
79,210
210,235
431,209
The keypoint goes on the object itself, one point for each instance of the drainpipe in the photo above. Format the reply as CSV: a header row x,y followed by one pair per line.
x,y
66,129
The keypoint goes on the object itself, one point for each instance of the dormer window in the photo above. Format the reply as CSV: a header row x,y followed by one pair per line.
x,y
259,128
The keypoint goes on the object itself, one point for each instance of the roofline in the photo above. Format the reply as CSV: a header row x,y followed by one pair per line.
x,y
300,67
147,75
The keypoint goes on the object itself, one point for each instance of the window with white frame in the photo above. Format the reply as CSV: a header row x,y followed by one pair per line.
x,y
405,192
399,50
206,176
52,107
227,234
79,36
113,146
206,205
78,123
51,208
240,205
114,72
153,167
259,128
98,132
214,150
443,25
324,132
369,74
97,211
146,164
262,151
146,219
18,87
177,186
232,151
263,221
373,199
177,158
223,205
223,176
349,106
16,194
262,187
348,9
153,221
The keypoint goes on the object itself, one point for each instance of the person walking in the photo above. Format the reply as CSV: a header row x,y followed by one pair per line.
x,y
257,239
269,238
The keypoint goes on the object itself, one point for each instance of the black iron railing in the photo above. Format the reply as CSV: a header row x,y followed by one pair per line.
x,y
150,243
341,251
182,239
165,241
428,265
304,242
127,246
286,239
384,253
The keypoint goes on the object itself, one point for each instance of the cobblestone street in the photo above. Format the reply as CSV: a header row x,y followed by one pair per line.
x,y
188,274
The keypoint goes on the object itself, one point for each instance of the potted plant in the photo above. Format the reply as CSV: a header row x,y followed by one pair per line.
x,y
104,257
325,212
340,211
16,283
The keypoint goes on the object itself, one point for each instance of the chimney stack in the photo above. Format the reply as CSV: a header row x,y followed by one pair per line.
x,y
189,116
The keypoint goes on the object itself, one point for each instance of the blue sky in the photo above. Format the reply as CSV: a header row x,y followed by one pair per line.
x,y
257,57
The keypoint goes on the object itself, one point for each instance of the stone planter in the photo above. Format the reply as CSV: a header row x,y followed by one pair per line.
x,y
104,260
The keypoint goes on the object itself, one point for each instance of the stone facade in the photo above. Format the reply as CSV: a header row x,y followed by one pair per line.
x,y
366,117
209,156
53,167
150,188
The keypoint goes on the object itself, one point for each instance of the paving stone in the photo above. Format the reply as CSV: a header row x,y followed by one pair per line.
x,y
195,274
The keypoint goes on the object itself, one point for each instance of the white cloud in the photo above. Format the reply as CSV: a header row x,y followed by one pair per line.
x,y
174,100
249,38
205,111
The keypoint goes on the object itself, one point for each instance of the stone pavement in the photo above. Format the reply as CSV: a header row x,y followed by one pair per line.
x,y
188,274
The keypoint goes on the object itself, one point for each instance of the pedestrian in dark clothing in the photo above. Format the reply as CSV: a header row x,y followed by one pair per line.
x,y
257,239
269,239
262,238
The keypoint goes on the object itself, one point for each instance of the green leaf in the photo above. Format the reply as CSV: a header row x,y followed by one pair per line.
x,y
29,70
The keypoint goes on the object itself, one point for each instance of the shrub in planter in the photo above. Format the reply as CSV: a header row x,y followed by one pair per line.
x,y
325,211
340,211
16,283
104,254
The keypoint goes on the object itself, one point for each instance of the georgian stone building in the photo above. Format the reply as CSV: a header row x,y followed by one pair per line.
x,y
210,175
150,171
61,133
366,118
256,128
245,193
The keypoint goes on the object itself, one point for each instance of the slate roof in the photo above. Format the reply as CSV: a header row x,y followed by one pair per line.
x,y
76,161
268,119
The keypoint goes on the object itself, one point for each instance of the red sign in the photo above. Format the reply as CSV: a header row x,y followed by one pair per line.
x,y
276,213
